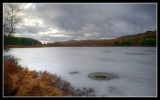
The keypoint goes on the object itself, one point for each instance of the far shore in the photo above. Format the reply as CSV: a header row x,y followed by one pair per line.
x,y
40,46
24,46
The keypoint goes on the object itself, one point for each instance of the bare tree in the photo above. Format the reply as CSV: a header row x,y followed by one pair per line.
x,y
10,18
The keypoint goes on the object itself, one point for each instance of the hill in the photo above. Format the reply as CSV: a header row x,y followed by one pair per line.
x,y
141,39
23,41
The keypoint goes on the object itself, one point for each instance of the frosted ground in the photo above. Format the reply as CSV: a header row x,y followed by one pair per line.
x,y
135,66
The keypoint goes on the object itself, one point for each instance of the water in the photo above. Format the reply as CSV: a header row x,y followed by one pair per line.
x,y
135,67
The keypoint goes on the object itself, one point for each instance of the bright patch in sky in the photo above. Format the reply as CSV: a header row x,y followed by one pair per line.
x,y
32,22
28,5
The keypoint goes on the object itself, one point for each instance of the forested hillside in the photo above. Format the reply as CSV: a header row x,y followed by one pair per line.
x,y
142,39
20,41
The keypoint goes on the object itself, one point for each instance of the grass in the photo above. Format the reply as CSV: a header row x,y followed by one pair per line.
x,y
100,76
103,76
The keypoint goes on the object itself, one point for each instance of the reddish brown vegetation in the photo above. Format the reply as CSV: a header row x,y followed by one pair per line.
x,y
20,81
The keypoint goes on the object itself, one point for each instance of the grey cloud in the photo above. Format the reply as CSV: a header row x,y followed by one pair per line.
x,y
107,20
53,39
31,29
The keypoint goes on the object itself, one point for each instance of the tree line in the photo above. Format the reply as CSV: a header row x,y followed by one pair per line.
x,y
20,41
143,39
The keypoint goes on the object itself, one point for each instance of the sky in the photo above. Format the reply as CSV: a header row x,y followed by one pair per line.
x,y
50,22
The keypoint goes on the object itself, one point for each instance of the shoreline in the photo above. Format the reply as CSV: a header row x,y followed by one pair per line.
x,y
39,46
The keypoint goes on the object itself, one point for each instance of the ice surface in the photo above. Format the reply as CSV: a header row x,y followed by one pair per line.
x,y
135,66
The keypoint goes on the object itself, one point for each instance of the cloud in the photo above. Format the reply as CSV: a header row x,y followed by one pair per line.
x,y
85,21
